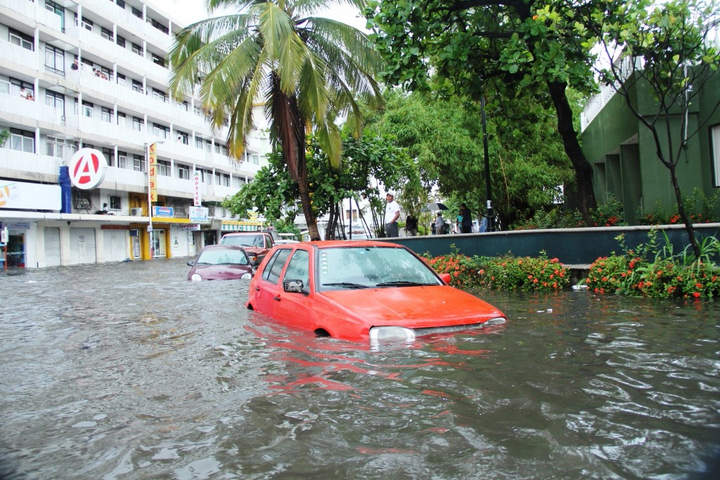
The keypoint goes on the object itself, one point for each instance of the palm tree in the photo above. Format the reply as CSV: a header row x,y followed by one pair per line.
x,y
306,70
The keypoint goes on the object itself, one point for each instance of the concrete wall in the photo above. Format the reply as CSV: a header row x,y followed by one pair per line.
x,y
571,246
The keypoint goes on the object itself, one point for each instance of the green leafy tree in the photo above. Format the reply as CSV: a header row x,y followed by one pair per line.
x,y
307,70
665,50
368,163
444,137
481,46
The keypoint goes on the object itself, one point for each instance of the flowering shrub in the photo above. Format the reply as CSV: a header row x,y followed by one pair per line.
x,y
507,272
664,276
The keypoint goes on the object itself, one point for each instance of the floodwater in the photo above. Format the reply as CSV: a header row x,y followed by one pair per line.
x,y
129,371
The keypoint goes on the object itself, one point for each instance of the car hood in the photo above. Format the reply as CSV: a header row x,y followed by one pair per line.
x,y
413,307
221,272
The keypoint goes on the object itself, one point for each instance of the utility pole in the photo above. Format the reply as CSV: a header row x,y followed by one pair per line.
x,y
488,195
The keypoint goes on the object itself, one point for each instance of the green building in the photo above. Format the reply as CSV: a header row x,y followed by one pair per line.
x,y
623,155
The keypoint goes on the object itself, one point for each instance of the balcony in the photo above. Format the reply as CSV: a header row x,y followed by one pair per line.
x,y
173,186
20,56
15,106
29,166
122,178
24,8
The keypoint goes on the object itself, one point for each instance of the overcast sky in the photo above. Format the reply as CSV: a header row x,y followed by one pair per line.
x,y
189,11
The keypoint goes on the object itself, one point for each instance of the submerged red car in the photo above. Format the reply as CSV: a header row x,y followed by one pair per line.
x,y
220,262
362,291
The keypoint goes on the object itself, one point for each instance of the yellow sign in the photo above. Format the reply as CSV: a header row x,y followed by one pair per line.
x,y
152,172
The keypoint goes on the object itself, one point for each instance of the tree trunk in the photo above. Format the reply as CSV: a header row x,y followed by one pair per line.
x,y
681,211
307,208
584,196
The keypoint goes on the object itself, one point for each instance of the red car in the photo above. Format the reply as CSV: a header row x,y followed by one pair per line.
x,y
220,262
256,244
362,291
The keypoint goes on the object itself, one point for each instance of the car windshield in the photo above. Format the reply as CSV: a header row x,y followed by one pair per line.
x,y
243,240
369,267
221,256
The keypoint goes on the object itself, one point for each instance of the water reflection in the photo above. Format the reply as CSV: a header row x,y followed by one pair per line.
x,y
129,371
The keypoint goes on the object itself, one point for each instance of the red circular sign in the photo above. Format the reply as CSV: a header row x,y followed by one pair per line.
x,y
87,168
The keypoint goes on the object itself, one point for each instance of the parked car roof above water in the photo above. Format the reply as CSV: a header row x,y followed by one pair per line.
x,y
220,262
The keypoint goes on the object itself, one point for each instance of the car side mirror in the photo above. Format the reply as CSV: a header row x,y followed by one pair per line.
x,y
445,277
190,263
293,286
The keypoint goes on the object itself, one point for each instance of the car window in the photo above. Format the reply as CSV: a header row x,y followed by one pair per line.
x,y
364,267
275,265
243,240
299,268
221,256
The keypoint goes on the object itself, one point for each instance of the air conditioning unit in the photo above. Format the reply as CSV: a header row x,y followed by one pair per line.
x,y
136,212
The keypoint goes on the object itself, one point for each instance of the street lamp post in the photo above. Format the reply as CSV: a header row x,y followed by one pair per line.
x,y
150,174
489,214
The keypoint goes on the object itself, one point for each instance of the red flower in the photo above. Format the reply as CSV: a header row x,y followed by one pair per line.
x,y
696,294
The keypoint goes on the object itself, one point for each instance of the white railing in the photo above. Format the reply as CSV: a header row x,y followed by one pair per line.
x,y
125,177
14,104
19,55
13,160
23,7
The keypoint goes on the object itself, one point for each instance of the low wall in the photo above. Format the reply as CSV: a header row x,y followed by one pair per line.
x,y
570,245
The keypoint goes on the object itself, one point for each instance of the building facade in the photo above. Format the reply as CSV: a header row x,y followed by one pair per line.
x,y
624,158
94,74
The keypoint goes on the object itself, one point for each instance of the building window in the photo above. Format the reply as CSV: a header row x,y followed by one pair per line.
x,y
106,114
108,153
136,12
56,101
120,3
138,86
54,59
106,34
160,130
20,39
199,143
137,49
23,89
87,109
226,179
137,124
55,8
87,24
22,140
115,202
715,134
163,168
120,41
122,119
159,94
183,137
138,163
163,28
158,60
183,172
122,161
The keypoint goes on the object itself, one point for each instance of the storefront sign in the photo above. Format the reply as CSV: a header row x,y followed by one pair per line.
x,y
152,171
87,168
163,212
197,200
199,214
29,196
193,227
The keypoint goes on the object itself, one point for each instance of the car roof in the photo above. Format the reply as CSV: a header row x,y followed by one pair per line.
x,y
345,243
223,247
237,234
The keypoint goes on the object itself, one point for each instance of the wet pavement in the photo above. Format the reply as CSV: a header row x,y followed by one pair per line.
x,y
129,371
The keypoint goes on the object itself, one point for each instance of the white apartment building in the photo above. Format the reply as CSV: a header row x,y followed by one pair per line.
x,y
93,74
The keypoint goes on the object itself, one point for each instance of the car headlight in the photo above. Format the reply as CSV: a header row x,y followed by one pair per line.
x,y
380,335
495,321
246,276
196,277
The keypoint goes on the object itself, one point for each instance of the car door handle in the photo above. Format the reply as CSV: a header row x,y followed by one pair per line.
x,y
257,289
276,297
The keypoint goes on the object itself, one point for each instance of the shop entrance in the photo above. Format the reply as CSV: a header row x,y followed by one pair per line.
x,y
16,250
158,239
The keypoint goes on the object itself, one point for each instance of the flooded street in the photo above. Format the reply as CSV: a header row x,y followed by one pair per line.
x,y
129,371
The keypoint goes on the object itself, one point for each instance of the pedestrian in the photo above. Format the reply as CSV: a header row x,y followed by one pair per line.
x,y
392,213
439,224
465,219
411,225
